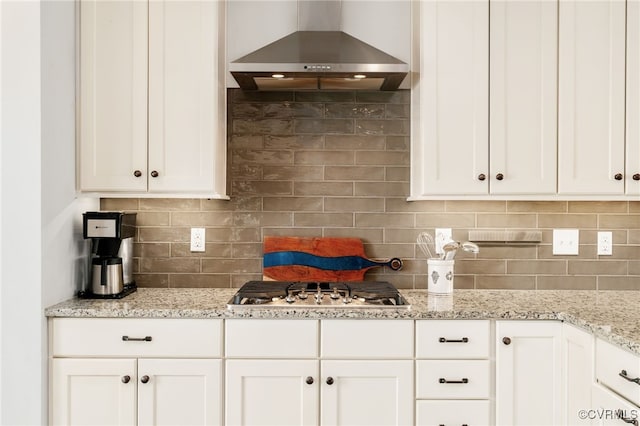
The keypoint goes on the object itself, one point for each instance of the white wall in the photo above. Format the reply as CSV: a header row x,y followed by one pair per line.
x,y
41,246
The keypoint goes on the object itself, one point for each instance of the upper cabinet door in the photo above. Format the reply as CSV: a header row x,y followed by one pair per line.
x,y
113,96
591,97
523,97
632,172
450,98
185,114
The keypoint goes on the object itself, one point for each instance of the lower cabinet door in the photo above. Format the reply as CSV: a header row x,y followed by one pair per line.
x,y
366,393
93,392
180,392
609,409
436,413
271,392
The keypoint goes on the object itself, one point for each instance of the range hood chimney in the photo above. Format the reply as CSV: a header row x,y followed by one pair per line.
x,y
319,56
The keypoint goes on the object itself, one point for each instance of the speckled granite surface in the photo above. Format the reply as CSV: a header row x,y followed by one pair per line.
x,y
612,315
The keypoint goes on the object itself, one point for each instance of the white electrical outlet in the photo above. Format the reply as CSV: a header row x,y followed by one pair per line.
x,y
197,239
443,236
605,243
566,241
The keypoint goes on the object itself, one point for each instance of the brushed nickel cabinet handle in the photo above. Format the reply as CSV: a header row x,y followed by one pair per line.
x,y
144,379
154,174
329,380
482,176
309,380
506,340
126,379
618,176
499,176
137,173
636,176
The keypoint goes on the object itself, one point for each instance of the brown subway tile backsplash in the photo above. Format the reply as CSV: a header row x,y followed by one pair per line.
x,y
338,164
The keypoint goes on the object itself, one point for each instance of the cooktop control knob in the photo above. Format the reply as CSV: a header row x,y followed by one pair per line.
x,y
335,295
290,297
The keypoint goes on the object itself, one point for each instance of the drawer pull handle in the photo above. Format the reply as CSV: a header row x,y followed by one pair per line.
x,y
623,374
443,380
136,339
442,424
620,415
463,340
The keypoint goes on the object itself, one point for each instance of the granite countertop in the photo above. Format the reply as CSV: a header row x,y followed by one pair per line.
x,y
611,315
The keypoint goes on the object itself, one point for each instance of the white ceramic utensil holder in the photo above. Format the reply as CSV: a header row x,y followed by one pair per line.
x,y
440,276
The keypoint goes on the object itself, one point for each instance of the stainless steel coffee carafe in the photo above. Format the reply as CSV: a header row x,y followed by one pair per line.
x,y
107,275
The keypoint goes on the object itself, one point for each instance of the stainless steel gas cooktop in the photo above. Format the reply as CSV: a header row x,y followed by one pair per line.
x,y
284,294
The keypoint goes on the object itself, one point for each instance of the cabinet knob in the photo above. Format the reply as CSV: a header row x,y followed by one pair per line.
x,y
329,380
144,379
137,173
126,379
499,176
482,176
309,380
506,340
154,174
636,176
618,176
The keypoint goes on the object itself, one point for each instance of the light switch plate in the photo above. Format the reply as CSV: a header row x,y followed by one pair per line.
x,y
566,241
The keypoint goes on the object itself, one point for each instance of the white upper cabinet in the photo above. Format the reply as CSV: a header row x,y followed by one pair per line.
x,y
152,102
112,109
591,97
632,169
523,97
450,98
484,102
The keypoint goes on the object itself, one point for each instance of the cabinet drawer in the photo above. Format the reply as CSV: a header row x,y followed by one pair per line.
x,y
366,339
118,337
452,339
435,413
452,379
611,361
250,338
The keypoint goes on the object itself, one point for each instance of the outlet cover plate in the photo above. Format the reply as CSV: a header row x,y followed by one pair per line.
x,y
443,236
566,241
197,239
605,243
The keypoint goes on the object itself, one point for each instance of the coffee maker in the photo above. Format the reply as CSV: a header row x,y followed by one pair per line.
x,y
111,260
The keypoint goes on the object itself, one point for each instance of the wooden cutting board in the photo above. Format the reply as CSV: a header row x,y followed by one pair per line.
x,y
318,259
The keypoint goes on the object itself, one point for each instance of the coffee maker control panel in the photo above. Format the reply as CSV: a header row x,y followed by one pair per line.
x,y
109,225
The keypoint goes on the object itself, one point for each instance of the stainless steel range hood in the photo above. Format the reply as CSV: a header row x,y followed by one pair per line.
x,y
318,57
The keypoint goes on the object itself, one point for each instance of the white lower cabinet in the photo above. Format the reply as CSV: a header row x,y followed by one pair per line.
x,y
372,392
577,373
453,372
610,409
436,413
127,372
528,373
364,381
271,392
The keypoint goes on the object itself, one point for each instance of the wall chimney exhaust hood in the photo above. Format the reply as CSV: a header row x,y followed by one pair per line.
x,y
318,57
